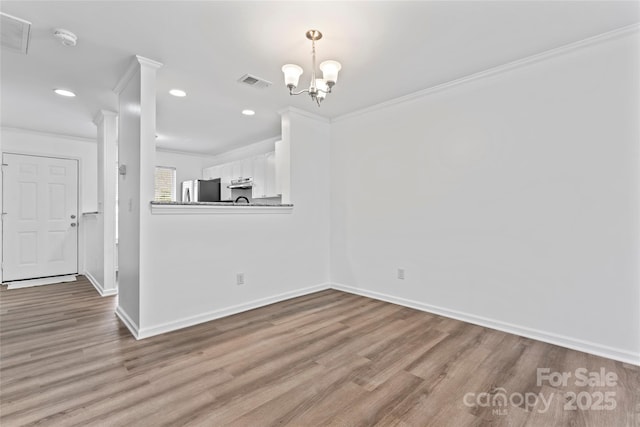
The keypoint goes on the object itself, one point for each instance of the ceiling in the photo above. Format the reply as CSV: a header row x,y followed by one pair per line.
x,y
387,49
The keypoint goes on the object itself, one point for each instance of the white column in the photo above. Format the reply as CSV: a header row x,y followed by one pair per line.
x,y
136,158
106,121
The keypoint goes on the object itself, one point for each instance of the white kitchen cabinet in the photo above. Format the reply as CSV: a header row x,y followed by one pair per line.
x,y
242,169
226,175
228,172
212,172
247,168
270,175
262,168
264,176
281,164
259,166
236,170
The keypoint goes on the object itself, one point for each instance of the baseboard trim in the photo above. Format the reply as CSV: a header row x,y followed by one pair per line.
x,y
130,324
223,312
41,281
548,337
96,284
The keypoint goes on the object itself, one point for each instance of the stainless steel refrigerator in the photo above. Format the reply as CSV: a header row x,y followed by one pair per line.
x,y
201,190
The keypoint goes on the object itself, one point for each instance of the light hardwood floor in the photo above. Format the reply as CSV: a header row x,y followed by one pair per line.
x,y
329,358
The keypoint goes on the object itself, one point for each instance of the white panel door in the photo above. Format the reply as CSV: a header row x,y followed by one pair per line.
x,y
40,217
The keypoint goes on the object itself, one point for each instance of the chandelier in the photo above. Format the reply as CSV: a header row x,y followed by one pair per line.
x,y
318,88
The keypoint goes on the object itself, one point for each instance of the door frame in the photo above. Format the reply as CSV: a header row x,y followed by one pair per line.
x,y
80,243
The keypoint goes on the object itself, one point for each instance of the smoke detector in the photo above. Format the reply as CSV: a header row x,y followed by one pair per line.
x,y
65,37
254,81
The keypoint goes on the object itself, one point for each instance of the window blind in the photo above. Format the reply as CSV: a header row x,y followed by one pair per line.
x,y
165,184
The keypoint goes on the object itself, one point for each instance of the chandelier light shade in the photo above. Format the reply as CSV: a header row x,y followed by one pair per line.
x,y
292,73
323,89
330,71
318,88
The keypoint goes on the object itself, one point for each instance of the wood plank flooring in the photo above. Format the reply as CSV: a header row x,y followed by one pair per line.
x,y
326,359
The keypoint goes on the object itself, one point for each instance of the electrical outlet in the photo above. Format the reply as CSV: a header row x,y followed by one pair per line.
x,y
401,273
240,279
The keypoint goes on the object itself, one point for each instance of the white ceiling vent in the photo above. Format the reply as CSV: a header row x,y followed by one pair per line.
x,y
15,33
254,81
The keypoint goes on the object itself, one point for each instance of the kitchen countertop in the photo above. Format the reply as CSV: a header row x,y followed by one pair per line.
x,y
217,204
217,208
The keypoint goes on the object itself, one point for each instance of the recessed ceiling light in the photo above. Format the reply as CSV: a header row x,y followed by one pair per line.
x,y
178,92
248,112
64,92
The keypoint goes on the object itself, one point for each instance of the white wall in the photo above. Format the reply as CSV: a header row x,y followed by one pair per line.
x,y
187,166
511,200
43,144
251,150
279,254
93,226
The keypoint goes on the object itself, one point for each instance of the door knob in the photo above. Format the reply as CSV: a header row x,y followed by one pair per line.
x,y
73,217
73,224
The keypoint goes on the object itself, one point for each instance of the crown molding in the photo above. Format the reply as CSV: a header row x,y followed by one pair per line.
x,y
300,112
149,62
529,60
233,151
184,153
244,149
101,114
136,61
48,134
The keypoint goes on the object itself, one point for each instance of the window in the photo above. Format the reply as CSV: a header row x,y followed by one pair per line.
x,y
165,186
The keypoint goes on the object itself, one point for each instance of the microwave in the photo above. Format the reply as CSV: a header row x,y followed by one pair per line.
x,y
201,190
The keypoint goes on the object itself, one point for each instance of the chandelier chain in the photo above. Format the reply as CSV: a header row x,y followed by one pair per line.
x,y
313,68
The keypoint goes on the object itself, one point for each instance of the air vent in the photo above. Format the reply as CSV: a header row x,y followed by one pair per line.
x,y
254,81
15,33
